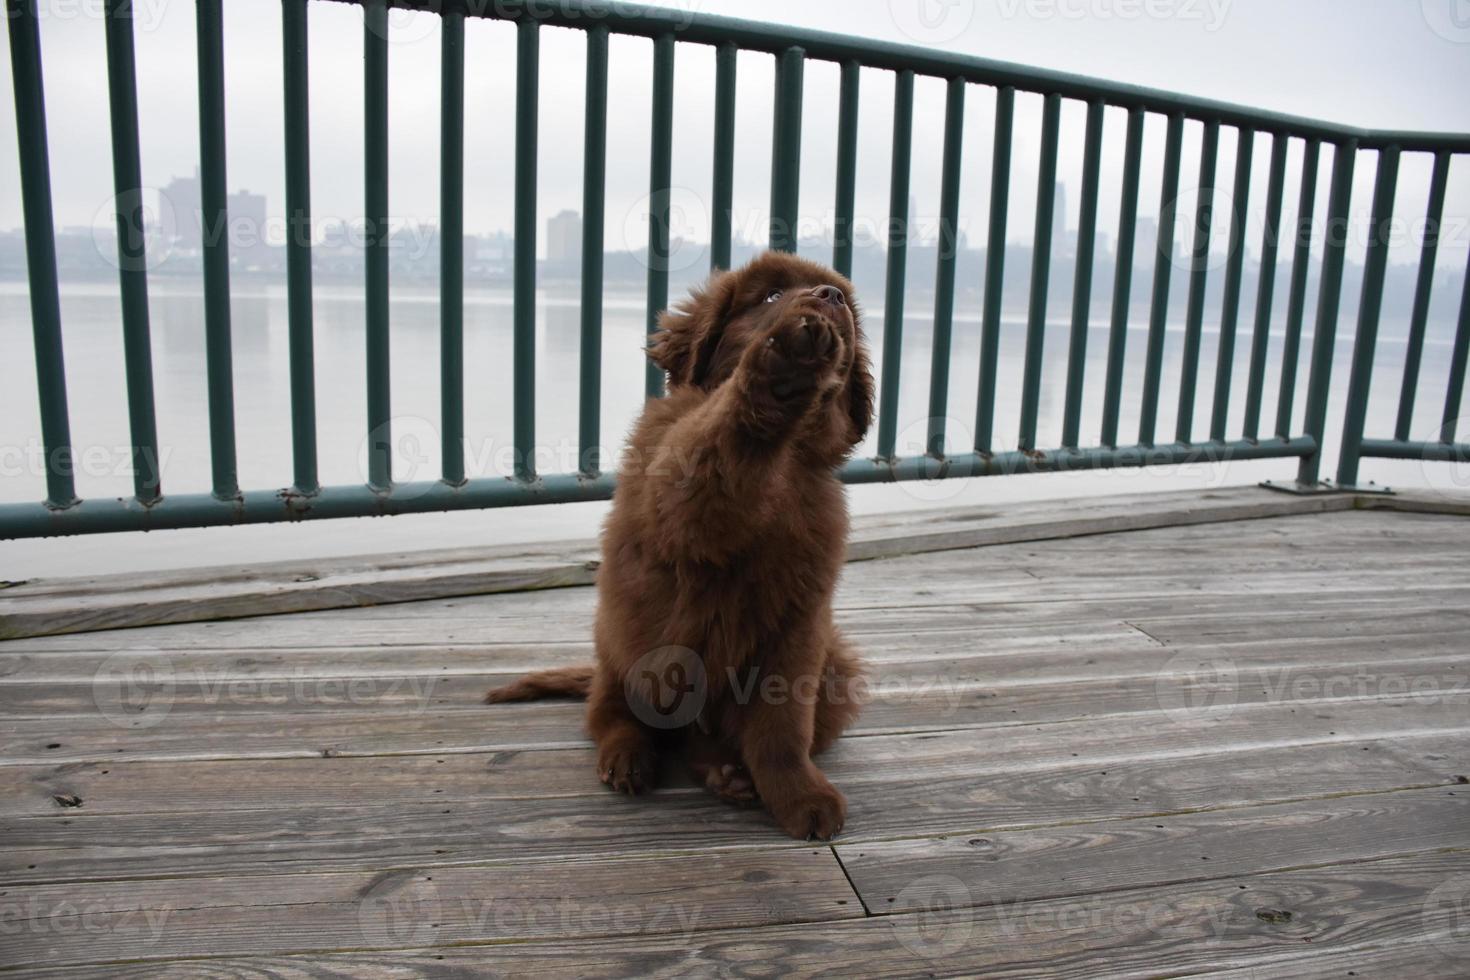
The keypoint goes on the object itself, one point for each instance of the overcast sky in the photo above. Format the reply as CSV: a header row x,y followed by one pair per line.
x,y
1376,63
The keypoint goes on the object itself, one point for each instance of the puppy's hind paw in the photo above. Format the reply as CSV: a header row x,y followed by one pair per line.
x,y
730,782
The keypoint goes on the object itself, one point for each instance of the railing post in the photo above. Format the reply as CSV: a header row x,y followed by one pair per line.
x,y
1455,390
1419,317
451,245
949,204
1369,308
523,300
1230,303
1153,363
1266,291
898,239
35,193
1082,278
1046,201
995,264
847,124
594,188
298,248
1199,263
1328,300
132,257
721,202
1122,278
660,176
214,227
378,239
1296,301
786,150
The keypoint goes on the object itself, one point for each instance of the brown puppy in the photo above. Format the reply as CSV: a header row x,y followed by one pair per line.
x,y
714,621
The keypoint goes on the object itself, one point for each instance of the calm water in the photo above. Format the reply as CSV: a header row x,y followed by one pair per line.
x,y
99,420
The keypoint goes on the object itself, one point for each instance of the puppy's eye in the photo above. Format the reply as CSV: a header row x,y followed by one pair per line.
x,y
773,295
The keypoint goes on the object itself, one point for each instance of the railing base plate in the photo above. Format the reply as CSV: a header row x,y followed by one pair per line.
x,y
1326,486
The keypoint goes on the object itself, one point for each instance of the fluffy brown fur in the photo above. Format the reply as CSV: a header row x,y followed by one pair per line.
x,y
714,630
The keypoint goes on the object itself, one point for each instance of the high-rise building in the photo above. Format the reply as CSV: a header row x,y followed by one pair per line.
x,y
1061,244
246,229
564,237
180,218
178,212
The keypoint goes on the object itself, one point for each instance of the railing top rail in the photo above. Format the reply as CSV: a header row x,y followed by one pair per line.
x,y
646,21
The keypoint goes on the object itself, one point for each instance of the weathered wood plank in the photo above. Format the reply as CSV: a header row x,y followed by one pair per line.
x,y
371,832
123,684
1038,641
42,607
122,601
287,715
1430,608
1290,554
1260,921
1012,866
583,897
1428,955
138,787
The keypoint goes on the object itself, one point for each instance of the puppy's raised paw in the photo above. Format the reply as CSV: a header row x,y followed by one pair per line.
x,y
801,354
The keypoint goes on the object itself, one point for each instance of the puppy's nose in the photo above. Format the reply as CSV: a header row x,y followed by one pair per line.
x,y
830,294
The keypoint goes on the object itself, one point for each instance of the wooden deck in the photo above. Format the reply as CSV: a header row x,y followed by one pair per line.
x,y
1230,737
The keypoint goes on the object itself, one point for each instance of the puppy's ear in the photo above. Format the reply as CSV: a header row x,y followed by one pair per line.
x,y
689,332
860,390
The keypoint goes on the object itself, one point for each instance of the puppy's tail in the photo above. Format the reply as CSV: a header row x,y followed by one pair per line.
x,y
561,682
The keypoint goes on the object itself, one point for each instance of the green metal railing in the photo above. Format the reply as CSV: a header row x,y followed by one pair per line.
x,y
151,508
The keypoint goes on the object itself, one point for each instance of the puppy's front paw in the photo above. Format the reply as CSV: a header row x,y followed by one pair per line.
x,y
801,354
628,768
813,814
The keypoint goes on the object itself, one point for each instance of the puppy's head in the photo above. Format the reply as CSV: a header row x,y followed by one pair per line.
x,y
701,341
